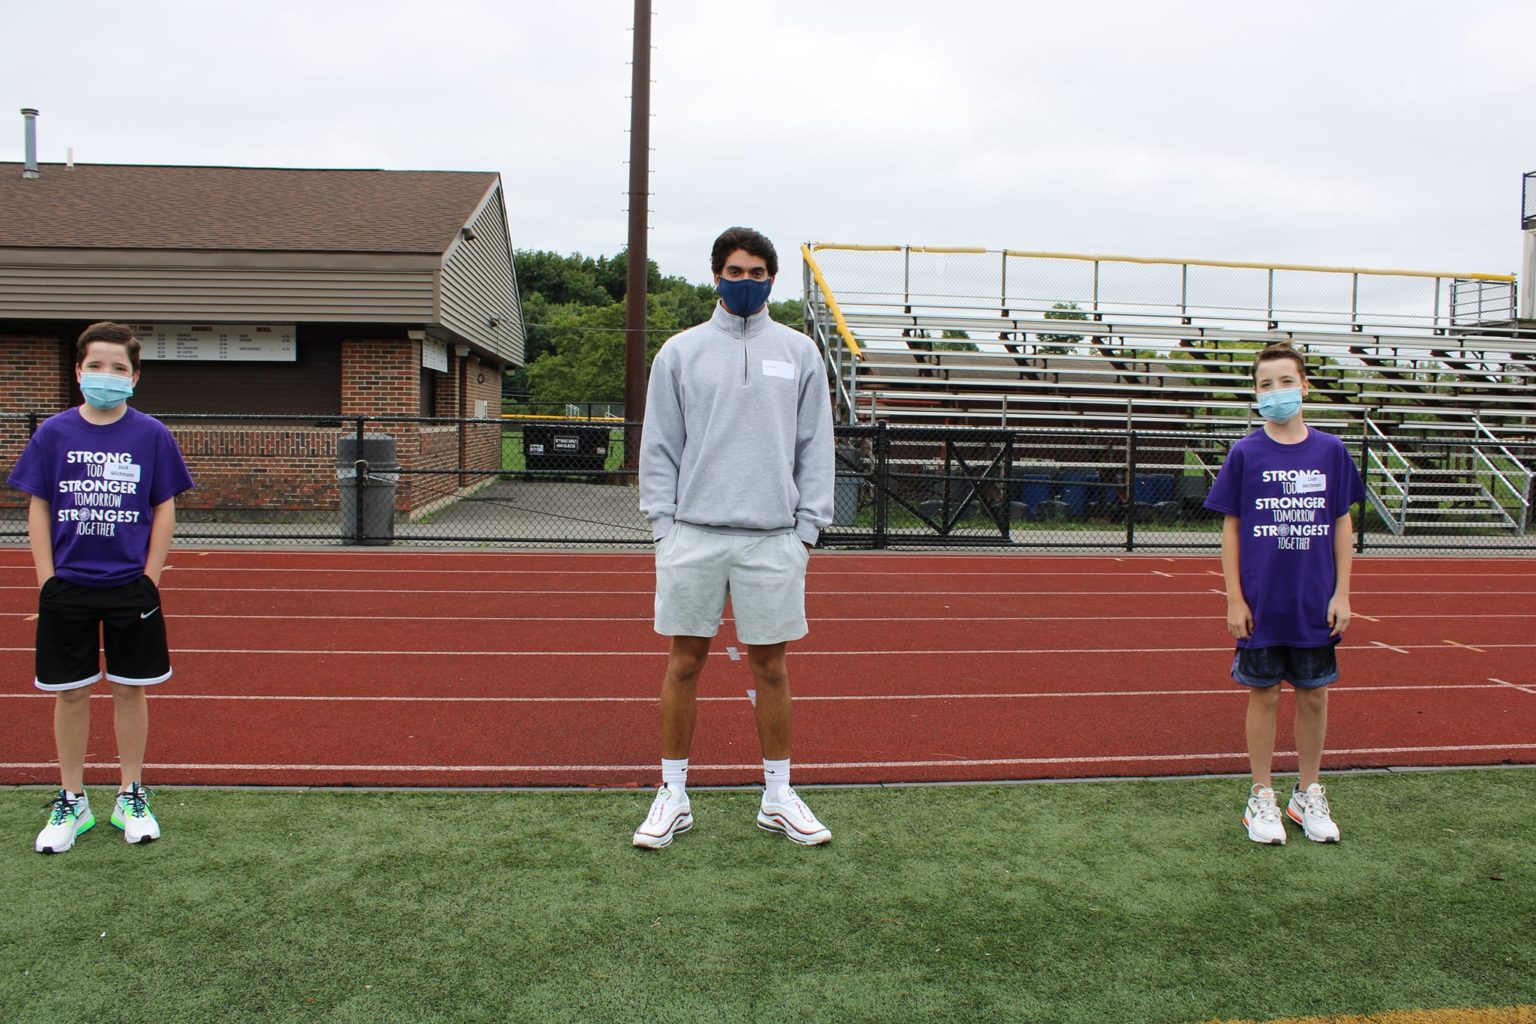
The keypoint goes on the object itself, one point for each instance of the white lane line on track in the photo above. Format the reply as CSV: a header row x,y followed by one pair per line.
x,y
1228,691
587,595
819,620
799,653
1513,686
650,767
1388,647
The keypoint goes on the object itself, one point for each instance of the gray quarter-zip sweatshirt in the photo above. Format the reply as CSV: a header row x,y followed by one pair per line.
x,y
738,431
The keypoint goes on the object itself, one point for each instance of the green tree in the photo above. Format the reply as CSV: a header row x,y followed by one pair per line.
x,y
586,363
1061,344
573,320
955,341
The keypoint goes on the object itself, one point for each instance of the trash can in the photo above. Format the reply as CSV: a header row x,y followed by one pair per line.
x,y
375,493
565,447
1076,487
1034,486
845,493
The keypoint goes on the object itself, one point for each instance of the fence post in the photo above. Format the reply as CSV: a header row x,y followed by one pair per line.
x,y
882,469
1365,466
1130,489
360,485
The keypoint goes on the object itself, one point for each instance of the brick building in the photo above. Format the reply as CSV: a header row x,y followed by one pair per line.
x,y
316,296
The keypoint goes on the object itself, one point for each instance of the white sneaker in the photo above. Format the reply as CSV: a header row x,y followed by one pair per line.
x,y
665,821
68,818
131,813
795,820
1263,817
1309,809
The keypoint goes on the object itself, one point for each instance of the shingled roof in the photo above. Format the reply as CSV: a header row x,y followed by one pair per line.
x,y
113,206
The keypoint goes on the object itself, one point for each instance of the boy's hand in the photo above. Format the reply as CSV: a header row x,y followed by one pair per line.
x,y
1338,615
1239,618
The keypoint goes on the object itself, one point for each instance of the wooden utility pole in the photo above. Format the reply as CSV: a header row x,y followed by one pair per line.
x,y
639,201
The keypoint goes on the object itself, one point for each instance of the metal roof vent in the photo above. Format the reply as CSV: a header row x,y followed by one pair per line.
x,y
29,170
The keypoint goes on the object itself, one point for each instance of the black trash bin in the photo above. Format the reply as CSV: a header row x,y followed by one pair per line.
x,y
565,447
849,479
366,476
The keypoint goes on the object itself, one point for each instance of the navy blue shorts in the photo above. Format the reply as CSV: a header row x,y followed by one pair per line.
x,y
1305,668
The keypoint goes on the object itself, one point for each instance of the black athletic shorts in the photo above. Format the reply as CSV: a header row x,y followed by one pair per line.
x,y
75,623
1305,668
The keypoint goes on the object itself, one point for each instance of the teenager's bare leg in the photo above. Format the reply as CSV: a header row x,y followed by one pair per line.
x,y
1263,703
679,694
130,715
773,711
1311,732
71,735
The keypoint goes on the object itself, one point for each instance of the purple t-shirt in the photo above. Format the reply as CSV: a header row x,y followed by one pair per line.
x,y
1286,498
101,483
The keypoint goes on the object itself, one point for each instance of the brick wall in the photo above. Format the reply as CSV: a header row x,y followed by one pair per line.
x,y
255,467
262,466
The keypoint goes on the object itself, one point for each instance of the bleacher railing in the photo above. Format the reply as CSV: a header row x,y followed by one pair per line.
x,y
988,336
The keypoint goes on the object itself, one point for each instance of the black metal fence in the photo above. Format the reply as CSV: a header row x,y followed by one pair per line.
x,y
566,483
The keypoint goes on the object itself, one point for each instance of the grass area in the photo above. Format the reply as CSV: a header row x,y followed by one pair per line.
x,y
1101,902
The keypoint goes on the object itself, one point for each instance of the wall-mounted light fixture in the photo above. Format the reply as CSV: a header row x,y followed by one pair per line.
x,y
468,233
462,351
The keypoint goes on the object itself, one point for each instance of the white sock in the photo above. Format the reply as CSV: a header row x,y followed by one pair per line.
x,y
775,780
674,773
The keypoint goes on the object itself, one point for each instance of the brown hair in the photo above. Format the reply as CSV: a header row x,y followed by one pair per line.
x,y
1278,350
108,331
754,242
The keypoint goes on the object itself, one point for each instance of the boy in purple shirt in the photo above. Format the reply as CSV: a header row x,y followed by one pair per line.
x,y
103,479
1287,544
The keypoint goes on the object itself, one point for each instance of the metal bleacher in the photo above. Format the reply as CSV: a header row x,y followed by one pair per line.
x,y
1431,374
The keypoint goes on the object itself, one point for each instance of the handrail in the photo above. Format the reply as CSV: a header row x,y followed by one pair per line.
x,y
1370,425
1519,490
831,301
1107,258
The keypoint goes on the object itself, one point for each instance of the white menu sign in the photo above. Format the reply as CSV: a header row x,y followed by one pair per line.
x,y
267,343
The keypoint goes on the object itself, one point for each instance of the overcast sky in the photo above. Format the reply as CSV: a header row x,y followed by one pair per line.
x,y
1371,133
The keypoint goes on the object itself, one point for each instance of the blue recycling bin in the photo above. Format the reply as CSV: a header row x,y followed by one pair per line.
x,y
1034,487
1075,485
1153,488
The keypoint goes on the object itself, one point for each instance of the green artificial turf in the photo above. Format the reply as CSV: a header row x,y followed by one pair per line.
x,y
1101,902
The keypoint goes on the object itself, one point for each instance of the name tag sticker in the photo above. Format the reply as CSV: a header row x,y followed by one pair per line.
x,y
121,471
1311,483
774,368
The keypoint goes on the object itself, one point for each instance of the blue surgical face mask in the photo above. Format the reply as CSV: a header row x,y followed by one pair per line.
x,y
1279,406
106,391
746,296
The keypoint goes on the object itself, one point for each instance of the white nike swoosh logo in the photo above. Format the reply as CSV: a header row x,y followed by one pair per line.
x,y
145,615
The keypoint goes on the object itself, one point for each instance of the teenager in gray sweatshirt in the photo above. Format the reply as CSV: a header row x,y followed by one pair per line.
x,y
736,475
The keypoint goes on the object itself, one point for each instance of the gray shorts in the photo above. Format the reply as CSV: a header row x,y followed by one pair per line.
x,y
763,576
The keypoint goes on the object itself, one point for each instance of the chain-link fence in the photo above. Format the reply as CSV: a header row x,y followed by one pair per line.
x,y
568,483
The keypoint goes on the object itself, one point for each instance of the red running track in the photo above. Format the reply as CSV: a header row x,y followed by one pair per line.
x,y
470,669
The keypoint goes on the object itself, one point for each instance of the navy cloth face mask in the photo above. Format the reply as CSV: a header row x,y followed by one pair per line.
x,y
105,391
746,296
1279,406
